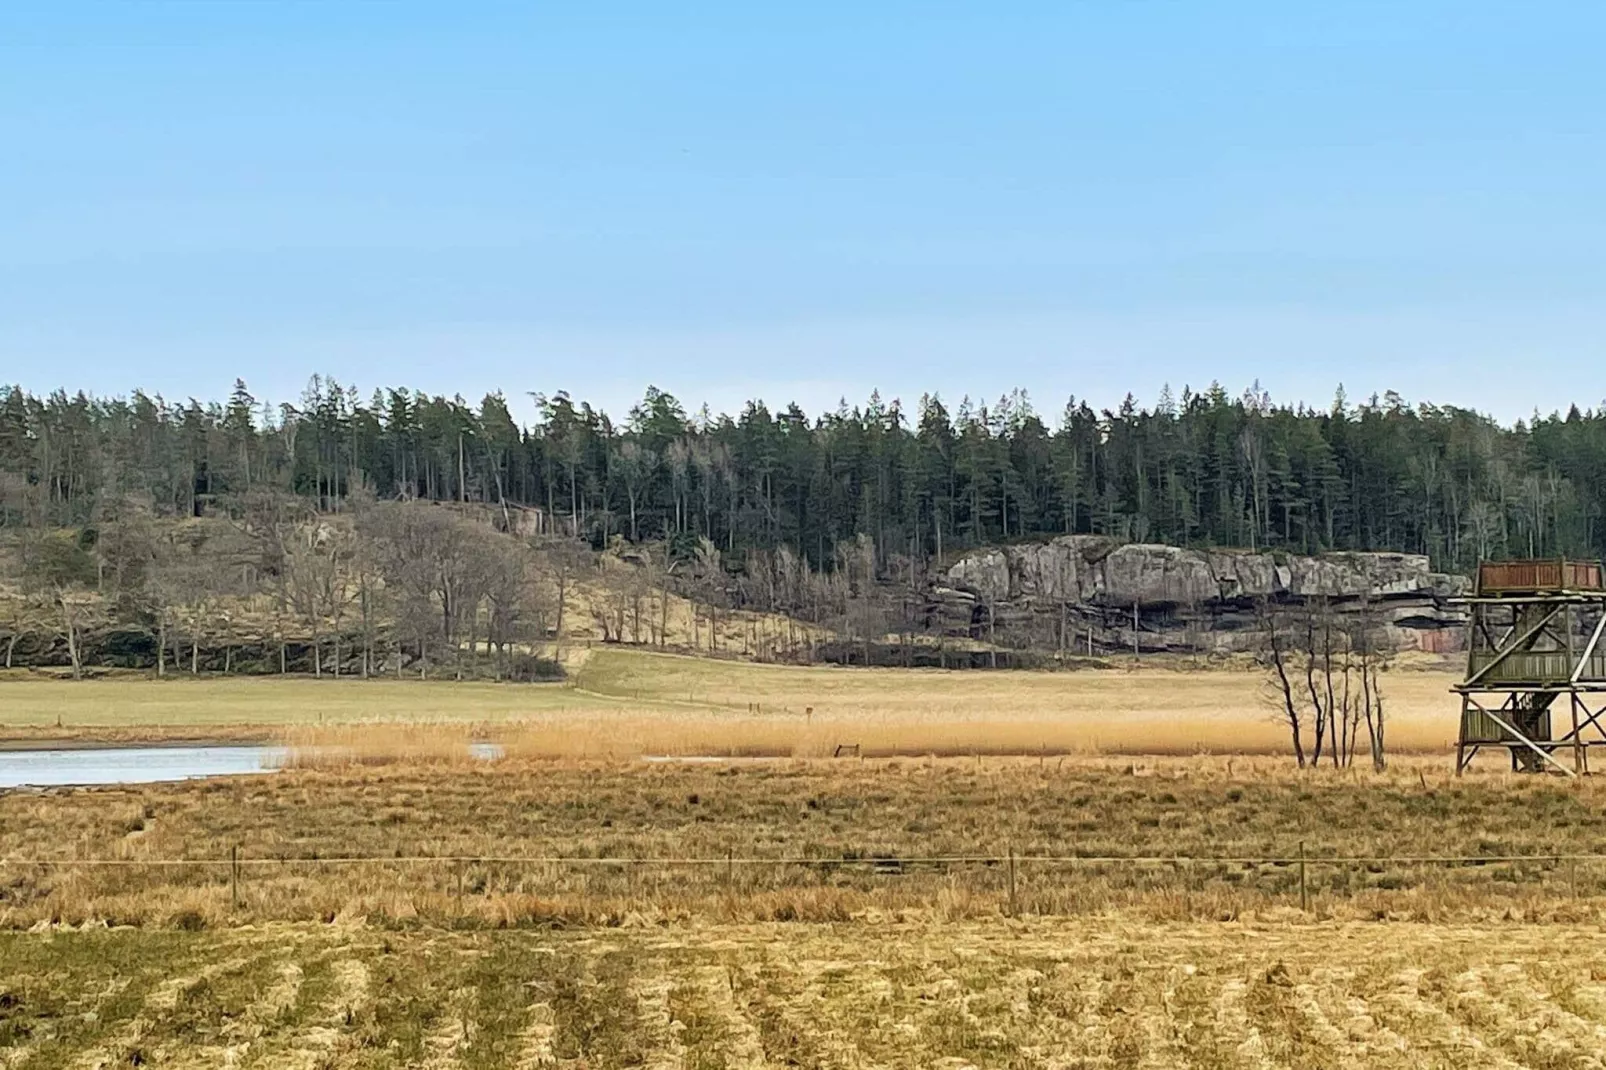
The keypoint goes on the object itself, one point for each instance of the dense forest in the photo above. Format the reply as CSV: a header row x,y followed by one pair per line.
x,y
1205,468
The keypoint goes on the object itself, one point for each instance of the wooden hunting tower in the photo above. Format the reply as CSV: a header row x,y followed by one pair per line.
x,y
1536,670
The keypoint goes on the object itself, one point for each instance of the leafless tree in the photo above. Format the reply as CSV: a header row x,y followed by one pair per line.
x,y
81,610
1314,644
1323,665
636,465
657,566
272,521
26,614
1372,655
413,547
1277,656
708,585
370,594
445,576
313,568
506,600
183,584
562,561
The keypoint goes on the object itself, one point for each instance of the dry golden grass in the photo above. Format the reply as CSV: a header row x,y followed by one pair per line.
x,y
678,622
1090,963
987,993
859,823
464,959
1141,711
213,705
628,702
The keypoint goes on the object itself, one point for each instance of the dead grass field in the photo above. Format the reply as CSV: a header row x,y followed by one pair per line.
x,y
137,706
594,609
851,829
489,927
627,702
449,947
993,993
1147,710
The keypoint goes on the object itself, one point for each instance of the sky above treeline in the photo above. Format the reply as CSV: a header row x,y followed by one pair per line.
x,y
807,202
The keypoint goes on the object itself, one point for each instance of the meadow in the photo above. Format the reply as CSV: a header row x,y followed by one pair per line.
x,y
623,702
539,842
1098,868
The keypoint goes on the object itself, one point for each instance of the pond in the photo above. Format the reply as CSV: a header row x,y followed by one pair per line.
x,y
132,765
85,766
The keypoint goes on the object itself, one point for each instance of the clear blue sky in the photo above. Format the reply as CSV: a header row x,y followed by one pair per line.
x,y
806,201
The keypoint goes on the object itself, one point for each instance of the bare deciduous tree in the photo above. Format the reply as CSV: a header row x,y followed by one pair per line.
x,y
562,561
81,610
1323,665
1276,655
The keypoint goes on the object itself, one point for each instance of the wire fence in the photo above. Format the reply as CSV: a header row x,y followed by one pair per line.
x,y
1289,871
818,860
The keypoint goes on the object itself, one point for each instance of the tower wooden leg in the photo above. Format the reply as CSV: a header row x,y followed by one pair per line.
x,y
1578,742
1461,741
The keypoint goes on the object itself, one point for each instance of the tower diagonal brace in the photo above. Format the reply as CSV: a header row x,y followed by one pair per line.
x,y
1520,737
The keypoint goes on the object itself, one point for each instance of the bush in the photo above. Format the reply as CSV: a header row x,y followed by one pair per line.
x,y
532,668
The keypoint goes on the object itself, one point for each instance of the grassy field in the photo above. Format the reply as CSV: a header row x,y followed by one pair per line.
x,y
852,831
629,701
489,923
142,707
1017,994
1147,710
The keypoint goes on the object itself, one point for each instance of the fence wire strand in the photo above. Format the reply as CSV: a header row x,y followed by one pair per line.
x,y
881,862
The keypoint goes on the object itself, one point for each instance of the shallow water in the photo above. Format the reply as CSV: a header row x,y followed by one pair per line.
x,y
85,766
88,766
132,765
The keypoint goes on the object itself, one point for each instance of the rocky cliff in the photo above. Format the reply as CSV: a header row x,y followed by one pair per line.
x,y
1081,586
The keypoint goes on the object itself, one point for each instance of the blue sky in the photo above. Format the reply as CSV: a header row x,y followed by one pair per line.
x,y
807,201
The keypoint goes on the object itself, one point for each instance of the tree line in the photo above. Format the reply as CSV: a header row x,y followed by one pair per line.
x,y
1199,468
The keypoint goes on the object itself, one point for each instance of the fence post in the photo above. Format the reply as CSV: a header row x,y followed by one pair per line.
x,y
730,868
1304,895
234,876
460,867
1014,905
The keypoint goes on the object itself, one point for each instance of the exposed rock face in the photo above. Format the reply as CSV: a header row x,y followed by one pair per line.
x,y
1188,600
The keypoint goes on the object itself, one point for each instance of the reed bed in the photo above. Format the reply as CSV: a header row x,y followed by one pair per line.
x,y
717,734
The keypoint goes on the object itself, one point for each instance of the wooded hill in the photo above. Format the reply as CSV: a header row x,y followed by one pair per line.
x,y
421,534
1196,469
268,585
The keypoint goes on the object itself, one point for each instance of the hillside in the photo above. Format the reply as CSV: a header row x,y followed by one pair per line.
x,y
399,588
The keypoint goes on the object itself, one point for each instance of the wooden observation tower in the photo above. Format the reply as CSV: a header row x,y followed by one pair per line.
x,y
1536,666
